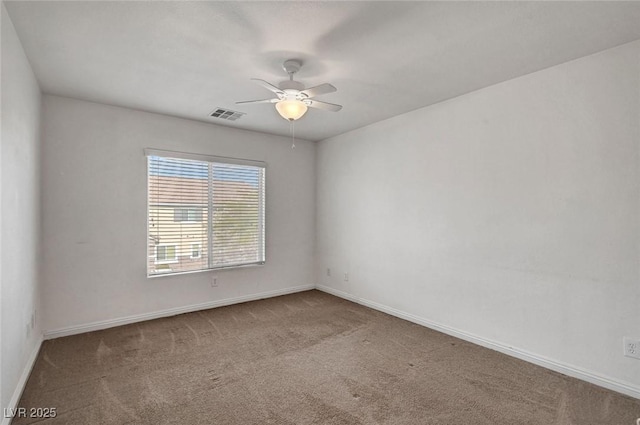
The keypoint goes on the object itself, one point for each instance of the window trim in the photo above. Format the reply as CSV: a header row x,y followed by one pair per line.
x,y
220,159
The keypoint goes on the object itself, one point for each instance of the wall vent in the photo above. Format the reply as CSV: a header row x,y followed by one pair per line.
x,y
226,114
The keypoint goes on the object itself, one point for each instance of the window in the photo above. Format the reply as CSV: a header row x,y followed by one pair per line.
x,y
195,250
187,214
165,253
203,212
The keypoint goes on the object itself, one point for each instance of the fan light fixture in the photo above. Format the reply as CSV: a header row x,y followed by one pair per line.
x,y
291,110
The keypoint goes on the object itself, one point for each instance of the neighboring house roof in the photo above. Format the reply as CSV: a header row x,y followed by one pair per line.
x,y
182,191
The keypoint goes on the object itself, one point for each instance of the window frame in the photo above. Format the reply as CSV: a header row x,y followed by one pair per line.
x,y
262,246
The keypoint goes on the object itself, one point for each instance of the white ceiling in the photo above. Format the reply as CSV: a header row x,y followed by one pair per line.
x,y
386,58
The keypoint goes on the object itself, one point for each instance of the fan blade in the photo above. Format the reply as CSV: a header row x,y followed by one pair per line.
x,y
318,90
274,100
269,86
323,105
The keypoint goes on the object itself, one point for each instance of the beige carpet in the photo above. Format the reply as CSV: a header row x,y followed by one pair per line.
x,y
307,358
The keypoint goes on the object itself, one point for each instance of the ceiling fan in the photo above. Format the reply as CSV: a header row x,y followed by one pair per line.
x,y
292,98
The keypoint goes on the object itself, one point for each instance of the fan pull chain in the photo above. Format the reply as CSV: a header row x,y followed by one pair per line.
x,y
293,134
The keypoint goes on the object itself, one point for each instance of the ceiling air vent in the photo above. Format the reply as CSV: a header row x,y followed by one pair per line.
x,y
226,114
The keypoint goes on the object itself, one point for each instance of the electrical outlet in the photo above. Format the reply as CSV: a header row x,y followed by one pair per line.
x,y
631,347
328,272
346,277
214,281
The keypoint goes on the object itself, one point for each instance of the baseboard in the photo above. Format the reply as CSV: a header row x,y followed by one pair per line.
x,y
22,382
104,324
569,370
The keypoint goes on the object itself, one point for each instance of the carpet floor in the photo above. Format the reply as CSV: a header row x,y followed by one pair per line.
x,y
306,358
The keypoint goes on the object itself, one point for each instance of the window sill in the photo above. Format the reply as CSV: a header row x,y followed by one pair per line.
x,y
213,269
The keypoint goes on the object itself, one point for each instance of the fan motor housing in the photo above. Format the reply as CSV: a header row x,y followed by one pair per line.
x,y
291,85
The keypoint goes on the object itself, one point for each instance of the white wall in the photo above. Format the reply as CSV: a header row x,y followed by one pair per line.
x,y
20,212
94,212
510,214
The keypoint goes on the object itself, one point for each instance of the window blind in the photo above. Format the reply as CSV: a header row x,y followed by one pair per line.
x,y
203,213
